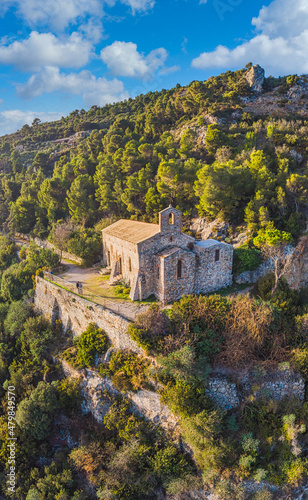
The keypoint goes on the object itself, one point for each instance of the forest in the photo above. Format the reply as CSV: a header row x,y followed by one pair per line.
x,y
193,146
199,148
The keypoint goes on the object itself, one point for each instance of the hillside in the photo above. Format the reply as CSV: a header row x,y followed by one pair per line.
x,y
205,398
224,148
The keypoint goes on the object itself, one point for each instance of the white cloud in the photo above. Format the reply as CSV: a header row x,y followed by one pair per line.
x,y
14,119
139,5
45,49
169,71
280,45
57,14
99,91
123,59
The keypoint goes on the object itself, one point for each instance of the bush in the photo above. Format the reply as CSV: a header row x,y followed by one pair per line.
x,y
246,259
91,344
150,329
69,393
168,464
127,371
254,332
185,399
183,366
17,314
16,281
42,257
87,244
37,338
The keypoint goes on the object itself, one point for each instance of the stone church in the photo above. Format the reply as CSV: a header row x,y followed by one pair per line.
x,y
160,259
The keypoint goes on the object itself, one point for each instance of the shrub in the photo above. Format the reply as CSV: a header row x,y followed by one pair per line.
x,y
246,259
295,471
42,257
254,332
92,343
185,399
127,371
150,329
69,393
38,338
183,366
23,253
122,291
300,360
168,463
87,244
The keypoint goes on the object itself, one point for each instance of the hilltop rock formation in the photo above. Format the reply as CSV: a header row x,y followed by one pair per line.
x,y
255,77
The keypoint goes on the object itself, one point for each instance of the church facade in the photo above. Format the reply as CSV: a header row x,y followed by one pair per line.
x,y
160,259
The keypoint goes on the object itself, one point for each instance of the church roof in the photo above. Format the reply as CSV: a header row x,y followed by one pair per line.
x,y
131,230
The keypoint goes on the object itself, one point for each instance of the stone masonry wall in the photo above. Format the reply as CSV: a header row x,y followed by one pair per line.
x,y
228,390
76,313
211,275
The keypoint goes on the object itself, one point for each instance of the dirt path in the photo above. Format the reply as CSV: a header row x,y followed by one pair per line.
x,y
76,273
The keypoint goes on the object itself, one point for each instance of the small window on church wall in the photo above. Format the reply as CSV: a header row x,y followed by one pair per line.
x,y
217,255
180,269
171,238
158,272
129,264
108,259
171,219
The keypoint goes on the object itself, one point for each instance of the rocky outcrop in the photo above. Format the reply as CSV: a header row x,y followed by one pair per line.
x,y
216,229
248,277
298,274
97,394
255,77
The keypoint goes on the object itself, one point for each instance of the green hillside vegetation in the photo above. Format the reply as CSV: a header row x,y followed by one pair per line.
x,y
61,453
158,148
198,148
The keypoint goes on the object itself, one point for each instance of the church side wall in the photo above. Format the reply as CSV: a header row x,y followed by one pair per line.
x,y
125,250
76,313
211,275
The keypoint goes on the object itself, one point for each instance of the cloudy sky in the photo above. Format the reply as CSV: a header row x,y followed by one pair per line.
x,y
61,55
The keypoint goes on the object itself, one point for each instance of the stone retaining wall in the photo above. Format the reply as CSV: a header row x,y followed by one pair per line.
x,y
75,312
230,389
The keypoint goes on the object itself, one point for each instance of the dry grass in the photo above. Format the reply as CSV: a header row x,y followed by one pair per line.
x,y
251,336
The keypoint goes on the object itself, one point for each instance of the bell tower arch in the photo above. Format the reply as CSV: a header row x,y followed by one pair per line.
x,y
170,221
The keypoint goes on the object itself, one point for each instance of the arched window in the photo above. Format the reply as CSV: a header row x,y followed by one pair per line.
x,y
130,265
179,269
171,219
108,259
217,255
120,265
158,272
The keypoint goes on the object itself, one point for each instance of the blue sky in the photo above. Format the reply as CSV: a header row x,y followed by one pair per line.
x,y
57,56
